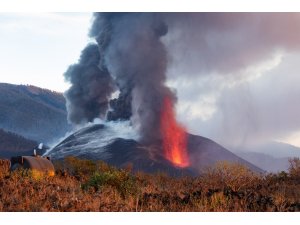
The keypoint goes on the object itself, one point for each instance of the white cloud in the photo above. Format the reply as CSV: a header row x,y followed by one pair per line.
x,y
261,106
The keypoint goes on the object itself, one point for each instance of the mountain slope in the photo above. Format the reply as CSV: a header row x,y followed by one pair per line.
x,y
99,142
32,112
271,156
277,149
12,144
274,149
205,152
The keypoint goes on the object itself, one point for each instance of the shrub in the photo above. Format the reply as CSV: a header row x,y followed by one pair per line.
x,y
294,168
233,175
124,182
4,168
79,167
31,174
225,187
103,167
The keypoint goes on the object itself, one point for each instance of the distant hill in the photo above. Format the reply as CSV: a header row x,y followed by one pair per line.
x,y
272,156
12,144
35,113
278,149
265,161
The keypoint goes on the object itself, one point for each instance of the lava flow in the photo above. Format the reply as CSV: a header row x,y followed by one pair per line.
x,y
174,136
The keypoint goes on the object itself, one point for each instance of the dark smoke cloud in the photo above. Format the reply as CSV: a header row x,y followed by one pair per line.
x,y
135,56
138,49
120,108
91,87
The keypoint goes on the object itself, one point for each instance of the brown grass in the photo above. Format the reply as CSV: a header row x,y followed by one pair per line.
x,y
82,185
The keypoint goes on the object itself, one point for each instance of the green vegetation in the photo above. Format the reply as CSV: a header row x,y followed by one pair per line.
x,y
119,179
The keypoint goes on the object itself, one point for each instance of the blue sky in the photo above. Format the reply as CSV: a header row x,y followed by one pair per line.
x,y
37,48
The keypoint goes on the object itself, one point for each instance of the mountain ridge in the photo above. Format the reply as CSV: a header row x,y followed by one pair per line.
x,y
12,144
35,113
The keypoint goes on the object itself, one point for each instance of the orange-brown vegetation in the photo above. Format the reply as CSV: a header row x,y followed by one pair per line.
x,y
83,185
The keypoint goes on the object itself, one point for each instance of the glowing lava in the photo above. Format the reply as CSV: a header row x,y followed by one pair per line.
x,y
174,136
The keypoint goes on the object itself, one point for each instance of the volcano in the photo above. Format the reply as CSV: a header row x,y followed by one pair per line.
x,y
99,142
129,57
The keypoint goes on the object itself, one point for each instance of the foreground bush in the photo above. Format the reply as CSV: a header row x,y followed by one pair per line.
x,y
76,167
82,185
294,168
120,179
4,168
230,175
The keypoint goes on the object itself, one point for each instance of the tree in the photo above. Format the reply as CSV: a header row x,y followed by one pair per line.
x,y
294,168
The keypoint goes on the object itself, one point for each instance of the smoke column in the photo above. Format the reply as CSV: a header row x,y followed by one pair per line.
x,y
128,55
131,55
91,87
136,58
219,47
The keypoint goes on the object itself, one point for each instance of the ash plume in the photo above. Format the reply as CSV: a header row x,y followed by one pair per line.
x,y
136,58
204,54
91,87
120,108
129,55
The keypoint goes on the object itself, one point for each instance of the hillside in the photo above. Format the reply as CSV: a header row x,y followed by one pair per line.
x,y
12,144
35,113
278,149
98,141
271,156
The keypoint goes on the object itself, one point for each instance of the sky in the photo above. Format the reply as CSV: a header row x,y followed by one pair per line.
x,y
236,77
37,48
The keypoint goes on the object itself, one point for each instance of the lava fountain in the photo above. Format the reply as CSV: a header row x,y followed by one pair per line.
x,y
174,136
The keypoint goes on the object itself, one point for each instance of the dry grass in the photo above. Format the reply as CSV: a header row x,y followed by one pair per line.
x,y
81,185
